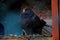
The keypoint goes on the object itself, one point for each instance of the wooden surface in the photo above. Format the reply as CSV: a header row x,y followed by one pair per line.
x,y
26,38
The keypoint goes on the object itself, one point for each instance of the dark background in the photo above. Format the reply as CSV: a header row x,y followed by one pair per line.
x,y
11,5
59,16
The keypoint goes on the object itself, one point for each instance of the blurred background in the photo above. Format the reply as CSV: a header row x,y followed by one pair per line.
x,y
6,14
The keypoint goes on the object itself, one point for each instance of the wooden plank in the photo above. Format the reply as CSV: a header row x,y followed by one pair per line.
x,y
55,31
